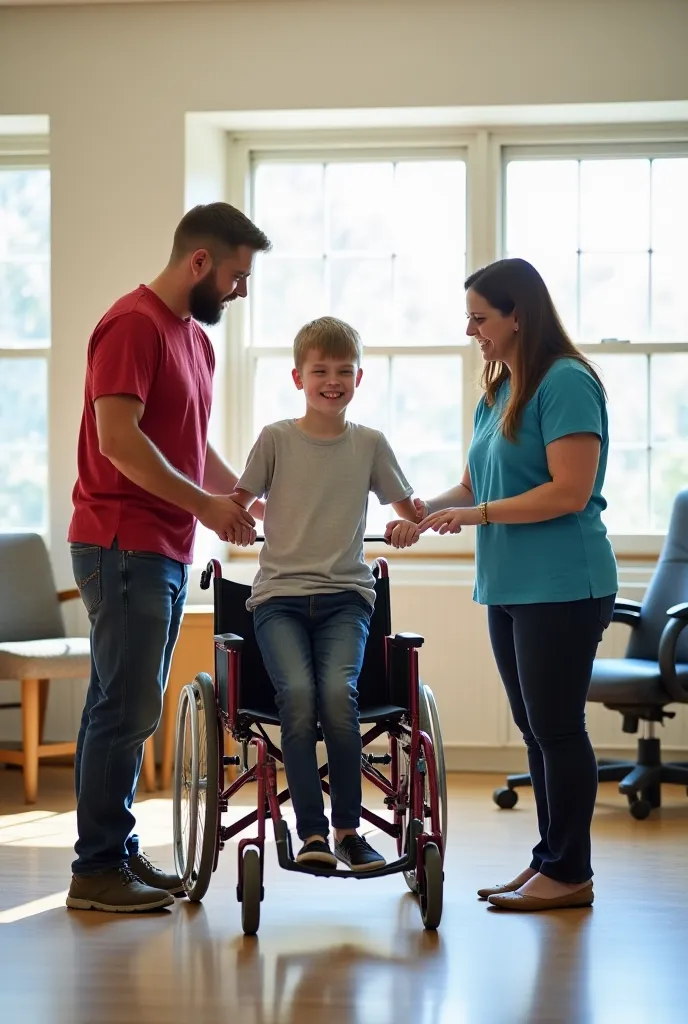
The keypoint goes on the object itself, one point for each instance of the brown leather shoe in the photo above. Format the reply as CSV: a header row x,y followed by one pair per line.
x,y
516,901
497,890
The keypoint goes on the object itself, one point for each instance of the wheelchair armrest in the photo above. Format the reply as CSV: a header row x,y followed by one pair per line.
x,y
627,612
407,640
229,641
678,620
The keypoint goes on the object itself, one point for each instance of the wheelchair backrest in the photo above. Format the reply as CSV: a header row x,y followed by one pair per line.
x,y
255,689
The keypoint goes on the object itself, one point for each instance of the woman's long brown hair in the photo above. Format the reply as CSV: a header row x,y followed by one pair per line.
x,y
515,287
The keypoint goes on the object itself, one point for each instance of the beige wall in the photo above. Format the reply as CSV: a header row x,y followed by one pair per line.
x,y
117,81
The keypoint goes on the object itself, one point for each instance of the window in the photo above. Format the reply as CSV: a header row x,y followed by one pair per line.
x,y
382,233
608,233
378,240
24,343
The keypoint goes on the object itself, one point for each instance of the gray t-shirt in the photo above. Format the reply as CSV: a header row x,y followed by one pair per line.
x,y
315,512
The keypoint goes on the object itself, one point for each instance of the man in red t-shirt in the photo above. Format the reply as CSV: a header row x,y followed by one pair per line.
x,y
146,474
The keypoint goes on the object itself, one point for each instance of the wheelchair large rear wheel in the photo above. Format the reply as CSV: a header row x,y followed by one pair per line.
x,y
429,723
196,786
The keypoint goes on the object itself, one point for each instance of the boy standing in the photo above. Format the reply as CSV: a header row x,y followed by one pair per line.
x,y
313,595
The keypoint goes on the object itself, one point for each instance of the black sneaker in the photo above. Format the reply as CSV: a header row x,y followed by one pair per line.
x,y
118,891
155,877
316,852
358,854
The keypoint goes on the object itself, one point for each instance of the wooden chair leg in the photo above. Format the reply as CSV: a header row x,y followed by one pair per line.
x,y
149,765
30,736
43,694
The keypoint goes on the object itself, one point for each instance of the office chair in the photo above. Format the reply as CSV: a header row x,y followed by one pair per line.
x,y
652,675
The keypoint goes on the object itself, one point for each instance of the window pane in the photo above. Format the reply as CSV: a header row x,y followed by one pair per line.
x,y
625,381
430,300
425,427
360,201
24,213
669,206
541,206
626,482
23,444
287,294
426,404
361,294
669,398
24,304
275,396
669,476
371,403
289,205
559,271
626,490
430,211
669,297
614,297
615,205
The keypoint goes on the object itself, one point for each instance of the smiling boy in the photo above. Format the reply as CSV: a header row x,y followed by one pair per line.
x,y
314,594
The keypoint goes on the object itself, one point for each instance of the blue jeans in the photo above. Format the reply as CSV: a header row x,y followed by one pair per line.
x,y
135,602
312,649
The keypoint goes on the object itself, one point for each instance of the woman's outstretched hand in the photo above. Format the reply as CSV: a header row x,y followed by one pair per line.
x,y
450,520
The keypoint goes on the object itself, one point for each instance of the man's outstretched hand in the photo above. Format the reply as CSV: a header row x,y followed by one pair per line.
x,y
228,520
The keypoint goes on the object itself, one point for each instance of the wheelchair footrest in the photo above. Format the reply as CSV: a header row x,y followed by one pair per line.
x,y
286,858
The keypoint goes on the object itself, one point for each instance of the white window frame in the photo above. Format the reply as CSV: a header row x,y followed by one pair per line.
x,y
619,142
486,151
244,152
25,152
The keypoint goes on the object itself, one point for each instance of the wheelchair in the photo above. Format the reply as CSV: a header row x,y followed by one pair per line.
x,y
240,702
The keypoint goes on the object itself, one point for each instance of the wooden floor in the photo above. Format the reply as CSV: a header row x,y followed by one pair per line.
x,y
350,952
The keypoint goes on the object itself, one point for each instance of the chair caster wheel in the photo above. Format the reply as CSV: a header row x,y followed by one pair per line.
x,y
505,798
640,809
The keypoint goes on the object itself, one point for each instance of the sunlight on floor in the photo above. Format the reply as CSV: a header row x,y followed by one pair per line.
x,y
54,830
25,910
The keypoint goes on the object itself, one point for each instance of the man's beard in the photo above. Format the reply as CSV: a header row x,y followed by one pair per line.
x,y
205,302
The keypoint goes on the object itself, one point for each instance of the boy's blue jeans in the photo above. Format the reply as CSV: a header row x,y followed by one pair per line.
x,y
312,649
135,601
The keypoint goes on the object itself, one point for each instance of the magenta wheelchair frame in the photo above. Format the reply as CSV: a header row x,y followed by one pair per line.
x,y
414,791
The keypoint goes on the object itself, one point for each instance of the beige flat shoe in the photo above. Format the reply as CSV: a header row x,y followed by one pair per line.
x,y
516,901
497,890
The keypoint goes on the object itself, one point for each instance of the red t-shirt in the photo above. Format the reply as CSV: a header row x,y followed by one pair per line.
x,y
141,348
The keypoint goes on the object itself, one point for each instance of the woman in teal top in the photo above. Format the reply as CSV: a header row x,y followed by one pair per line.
x,y
544,564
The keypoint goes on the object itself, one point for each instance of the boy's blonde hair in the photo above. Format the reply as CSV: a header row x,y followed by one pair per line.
x,y
333,338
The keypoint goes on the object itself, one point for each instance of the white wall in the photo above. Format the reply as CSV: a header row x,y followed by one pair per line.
x,y
116,83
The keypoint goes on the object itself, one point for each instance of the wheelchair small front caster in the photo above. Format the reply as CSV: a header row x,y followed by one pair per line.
x,y
505,798
251,893
431,891
639,808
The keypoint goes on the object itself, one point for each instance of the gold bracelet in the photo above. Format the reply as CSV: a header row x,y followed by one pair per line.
x,y
483,513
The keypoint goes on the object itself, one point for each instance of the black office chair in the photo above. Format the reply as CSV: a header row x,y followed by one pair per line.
x,y
653,674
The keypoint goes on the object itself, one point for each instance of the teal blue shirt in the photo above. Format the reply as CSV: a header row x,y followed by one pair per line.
x,y
564,559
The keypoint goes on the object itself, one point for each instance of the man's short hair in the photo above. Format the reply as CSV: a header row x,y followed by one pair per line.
x,y
333,338
217,227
